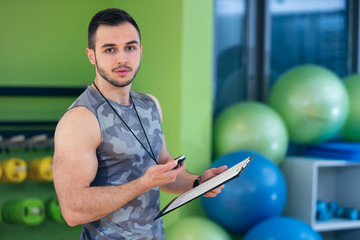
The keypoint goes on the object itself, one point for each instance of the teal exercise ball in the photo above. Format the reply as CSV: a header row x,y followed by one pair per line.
x,y
351,129
251,126
195,228
313,102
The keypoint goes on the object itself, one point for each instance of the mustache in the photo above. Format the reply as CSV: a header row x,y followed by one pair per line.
x,y
122,66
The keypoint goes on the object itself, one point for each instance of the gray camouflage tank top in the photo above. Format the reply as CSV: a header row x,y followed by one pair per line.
x,y
121,159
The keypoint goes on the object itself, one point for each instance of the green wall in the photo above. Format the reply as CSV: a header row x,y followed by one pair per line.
x,y
43,42
196,96
44,45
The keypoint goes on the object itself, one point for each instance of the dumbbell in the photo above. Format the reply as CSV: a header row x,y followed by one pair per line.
x,y
29,211
332,207
53,211
14,170
351,214
40,169
325,211
348,213
321,211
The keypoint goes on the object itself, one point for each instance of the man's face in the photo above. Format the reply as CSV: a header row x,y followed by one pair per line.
x,y
117,53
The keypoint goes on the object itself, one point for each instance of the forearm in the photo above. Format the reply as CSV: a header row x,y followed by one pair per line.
x,y
183,183
92,203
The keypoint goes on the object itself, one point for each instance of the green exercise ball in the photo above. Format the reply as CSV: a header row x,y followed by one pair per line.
x,y
195,228
251,126
351,129
313,102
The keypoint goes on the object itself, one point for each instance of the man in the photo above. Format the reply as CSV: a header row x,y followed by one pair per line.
x,y
110,156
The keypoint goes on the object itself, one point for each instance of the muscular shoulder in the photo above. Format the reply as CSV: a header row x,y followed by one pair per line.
x,y
78,115
78,124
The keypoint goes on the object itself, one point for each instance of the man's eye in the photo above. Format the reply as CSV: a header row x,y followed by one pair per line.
x,y
131,48
109,50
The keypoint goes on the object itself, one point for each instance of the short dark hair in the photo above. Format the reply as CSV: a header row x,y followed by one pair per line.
x,y
110,17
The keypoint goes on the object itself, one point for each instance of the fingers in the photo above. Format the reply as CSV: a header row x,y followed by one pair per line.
x,y
214,192
167,166
220,169
170,172
170,165
178,168
212,173
170,169
163,174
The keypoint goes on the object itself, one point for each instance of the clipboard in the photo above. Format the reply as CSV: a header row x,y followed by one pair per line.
x,y
205,187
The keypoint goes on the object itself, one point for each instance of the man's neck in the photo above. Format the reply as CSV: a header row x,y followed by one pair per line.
x,y
119,95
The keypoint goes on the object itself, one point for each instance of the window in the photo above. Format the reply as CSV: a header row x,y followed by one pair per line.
x,y
308,31
228,34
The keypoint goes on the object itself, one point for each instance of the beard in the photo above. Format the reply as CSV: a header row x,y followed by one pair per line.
x,y
113,81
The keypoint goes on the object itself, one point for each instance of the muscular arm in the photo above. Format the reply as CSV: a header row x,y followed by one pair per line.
x,y
77,137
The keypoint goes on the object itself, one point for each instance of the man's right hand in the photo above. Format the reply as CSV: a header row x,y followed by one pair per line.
x,y
162,174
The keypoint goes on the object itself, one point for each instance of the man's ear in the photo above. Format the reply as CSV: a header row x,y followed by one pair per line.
x,y
91,55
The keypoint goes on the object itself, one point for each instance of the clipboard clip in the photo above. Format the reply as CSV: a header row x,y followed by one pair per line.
x,y
247,162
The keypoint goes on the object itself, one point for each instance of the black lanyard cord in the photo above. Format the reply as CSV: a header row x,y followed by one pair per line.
x,y
151,155
137,114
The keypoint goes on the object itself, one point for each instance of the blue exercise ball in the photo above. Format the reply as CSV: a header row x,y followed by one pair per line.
x,y
291,228
259,193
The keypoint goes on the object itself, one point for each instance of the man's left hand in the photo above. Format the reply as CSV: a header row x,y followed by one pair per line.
x,y
210,174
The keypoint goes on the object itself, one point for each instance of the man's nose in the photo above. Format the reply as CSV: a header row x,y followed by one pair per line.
x,y
122,57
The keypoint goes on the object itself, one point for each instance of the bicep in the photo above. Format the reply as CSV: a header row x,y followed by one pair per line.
x,y
75,163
